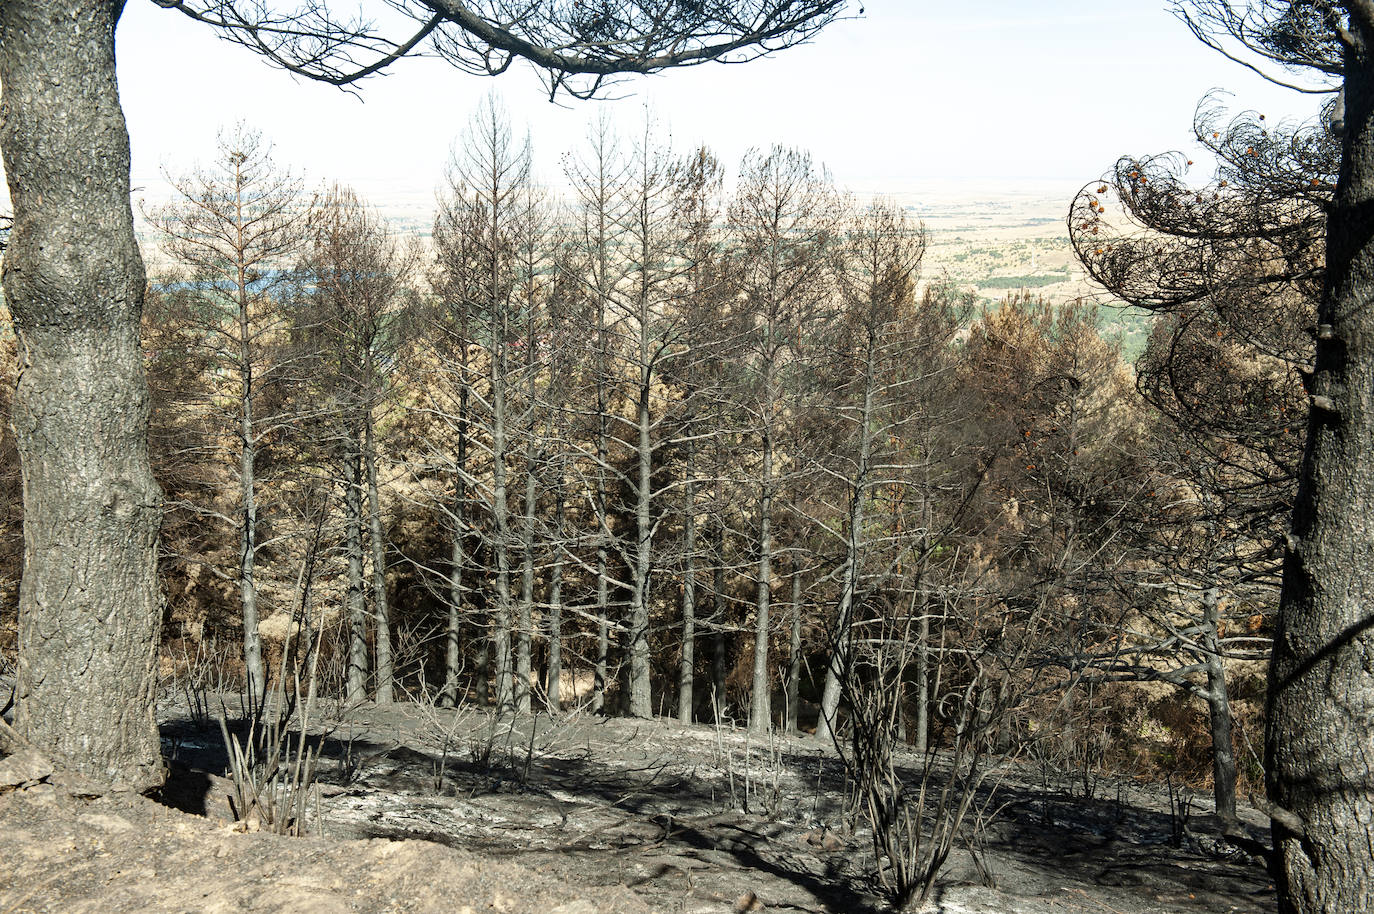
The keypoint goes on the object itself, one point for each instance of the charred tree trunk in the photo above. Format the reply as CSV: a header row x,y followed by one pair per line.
x,y
90,605
554,682
381,611
719,644
794,658
603,594
353,546
453,644
1219,711
1321,682
255,683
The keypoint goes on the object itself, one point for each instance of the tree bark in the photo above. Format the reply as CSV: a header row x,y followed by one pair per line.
x,y
719,645
500,547
353,546
453,647
686,668
1319,741
525,628
255,680
381,610
794,658
760,701
90,605
853,559
453,643
921,711
1219,712
641,703
554,682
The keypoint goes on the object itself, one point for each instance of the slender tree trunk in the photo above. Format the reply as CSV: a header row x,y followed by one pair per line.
x,y
501,612
453,642
523,666
603,596
353,546
381,610
685,710
90,605
853,558
254,673
794,658
834,671
1321,681
760,701
641,703
554,684
482,663
1219,712
921,712
719,609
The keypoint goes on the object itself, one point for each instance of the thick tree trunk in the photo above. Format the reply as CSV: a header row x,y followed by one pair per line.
x,y
89,604
357,607
381,610
1320,725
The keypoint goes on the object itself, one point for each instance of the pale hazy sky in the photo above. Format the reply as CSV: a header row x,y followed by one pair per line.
x,y
913,93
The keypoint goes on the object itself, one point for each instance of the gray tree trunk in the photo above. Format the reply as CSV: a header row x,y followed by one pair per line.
x,y
90,605
603,595
554,682
719,645
526,620
641,703
255,680
853,558
381,611
1318,745
760,701
686,668
1219,712
921,711
357,607
483,665
453,643
500,547
794,658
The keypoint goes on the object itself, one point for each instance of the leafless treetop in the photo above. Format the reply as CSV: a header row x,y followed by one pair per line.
x,y
580,44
